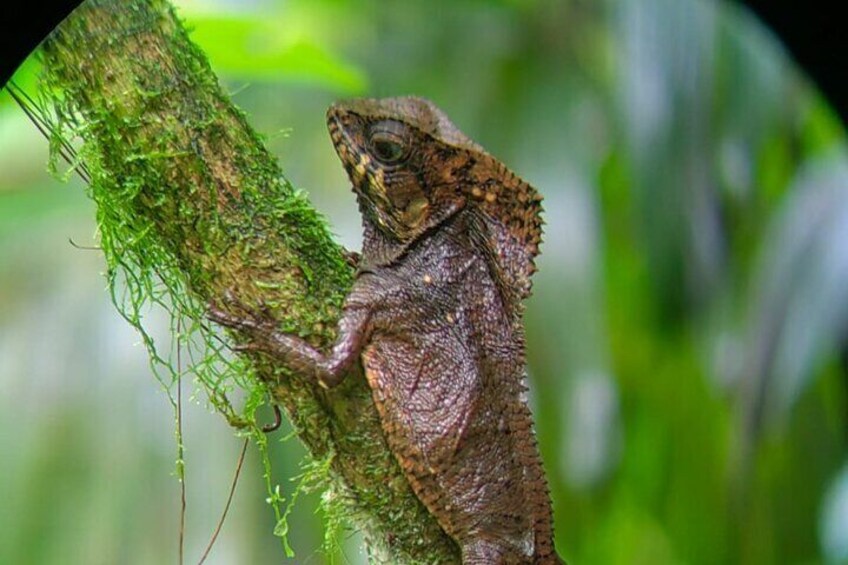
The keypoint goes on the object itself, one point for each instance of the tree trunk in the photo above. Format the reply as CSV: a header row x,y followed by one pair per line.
x,y
182,182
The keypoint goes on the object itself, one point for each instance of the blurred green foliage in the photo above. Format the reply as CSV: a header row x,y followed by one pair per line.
x,y
256,49
687,336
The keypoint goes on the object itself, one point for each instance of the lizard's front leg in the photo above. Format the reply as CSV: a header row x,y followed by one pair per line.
x,y
295,353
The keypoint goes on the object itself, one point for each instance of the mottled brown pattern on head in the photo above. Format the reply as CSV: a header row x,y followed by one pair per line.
x,y
446,168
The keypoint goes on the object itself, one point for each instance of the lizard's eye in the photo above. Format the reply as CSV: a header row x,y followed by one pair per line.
x,y
387,141
387,150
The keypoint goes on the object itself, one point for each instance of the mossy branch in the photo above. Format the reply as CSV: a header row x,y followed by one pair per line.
x,y
185,188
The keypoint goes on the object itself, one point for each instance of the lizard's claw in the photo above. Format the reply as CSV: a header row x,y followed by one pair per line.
x,y
247,324
256,327
228,320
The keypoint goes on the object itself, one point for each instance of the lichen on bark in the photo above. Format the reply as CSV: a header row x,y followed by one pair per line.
x,y
188,196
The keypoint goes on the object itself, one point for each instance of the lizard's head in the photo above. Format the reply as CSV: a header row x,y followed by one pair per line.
x,y
395,154
411,169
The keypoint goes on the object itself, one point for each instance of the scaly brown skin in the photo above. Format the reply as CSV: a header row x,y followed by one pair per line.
x,y
435,315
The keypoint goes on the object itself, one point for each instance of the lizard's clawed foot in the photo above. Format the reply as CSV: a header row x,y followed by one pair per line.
x,y
228,320
251,324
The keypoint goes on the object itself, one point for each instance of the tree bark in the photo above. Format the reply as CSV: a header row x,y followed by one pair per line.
x,y
175,165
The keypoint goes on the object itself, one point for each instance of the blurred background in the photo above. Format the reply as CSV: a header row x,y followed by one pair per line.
x,y
688,334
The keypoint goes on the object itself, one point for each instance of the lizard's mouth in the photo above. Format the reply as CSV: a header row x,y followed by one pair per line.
x,y
334,124
338,124
359,166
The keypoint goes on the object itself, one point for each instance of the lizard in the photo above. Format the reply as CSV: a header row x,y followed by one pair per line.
x,y
435,316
